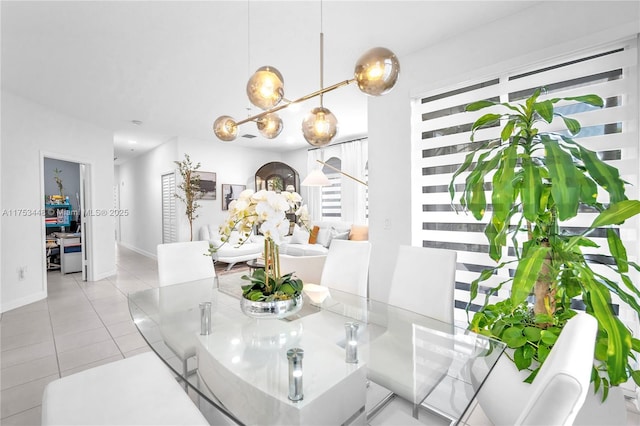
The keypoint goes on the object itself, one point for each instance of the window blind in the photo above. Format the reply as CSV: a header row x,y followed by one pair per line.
x,y
169,220
332,195
441,131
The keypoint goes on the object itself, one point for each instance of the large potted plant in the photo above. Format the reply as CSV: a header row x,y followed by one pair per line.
x,y
541,179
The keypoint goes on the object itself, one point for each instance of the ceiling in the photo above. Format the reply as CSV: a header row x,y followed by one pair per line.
x,y
149,71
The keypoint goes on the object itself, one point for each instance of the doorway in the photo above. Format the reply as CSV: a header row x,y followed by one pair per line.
x,y
66,236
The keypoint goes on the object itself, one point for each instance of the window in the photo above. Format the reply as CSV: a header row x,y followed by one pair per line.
x,y
346,167
169,229
332,195
441,132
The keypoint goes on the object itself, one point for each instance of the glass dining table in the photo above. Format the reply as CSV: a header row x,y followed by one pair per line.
x,y
356,355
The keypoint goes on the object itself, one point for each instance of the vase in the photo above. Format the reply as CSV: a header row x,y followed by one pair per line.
x,y
276,309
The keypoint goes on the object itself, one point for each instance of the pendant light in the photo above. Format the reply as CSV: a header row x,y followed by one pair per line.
x,y
376,73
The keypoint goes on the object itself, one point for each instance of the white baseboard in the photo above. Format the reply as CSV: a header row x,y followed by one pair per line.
x,y
13,304
103,275
138,250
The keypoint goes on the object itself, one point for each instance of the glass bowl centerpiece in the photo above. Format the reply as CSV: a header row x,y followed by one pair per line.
x,y
269,294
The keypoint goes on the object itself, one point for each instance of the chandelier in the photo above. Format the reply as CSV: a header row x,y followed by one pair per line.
x,y
375,73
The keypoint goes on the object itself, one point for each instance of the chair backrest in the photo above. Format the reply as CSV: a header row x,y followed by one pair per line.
x,y
183,262
561,386
347,266
424,281
307,268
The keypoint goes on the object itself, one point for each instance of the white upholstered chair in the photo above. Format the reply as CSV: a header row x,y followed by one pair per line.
x,y
179,263
558,391
132,391
423,282
184,262
307,268
347,266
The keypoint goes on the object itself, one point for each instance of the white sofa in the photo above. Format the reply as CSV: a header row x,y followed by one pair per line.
x,y
298,244
232,252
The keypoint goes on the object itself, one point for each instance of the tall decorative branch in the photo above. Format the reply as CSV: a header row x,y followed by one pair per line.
x,y
190,186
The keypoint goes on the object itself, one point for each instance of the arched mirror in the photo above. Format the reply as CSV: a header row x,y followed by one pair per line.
x,y
277,176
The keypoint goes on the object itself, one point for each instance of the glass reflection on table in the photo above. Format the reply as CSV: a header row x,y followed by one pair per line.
x,y
242,368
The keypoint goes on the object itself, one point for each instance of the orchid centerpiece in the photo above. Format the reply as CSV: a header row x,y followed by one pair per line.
x,y
266,211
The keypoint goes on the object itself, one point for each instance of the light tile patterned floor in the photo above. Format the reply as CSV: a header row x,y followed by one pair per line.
x,y
82,325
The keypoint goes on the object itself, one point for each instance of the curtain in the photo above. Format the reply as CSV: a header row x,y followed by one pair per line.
x,y
354,157
313,197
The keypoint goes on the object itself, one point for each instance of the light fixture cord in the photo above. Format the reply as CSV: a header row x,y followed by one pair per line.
x,y
321,55
249,49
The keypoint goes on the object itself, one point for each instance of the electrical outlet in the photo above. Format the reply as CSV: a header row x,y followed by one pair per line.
x,y
21,272
387,224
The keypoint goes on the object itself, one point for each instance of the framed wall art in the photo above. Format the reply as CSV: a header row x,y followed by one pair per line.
x,y
207,185
229,193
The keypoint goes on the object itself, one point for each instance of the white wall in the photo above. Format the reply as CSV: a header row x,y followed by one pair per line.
x,y
29,132
232,164
547,30
139,182
140,187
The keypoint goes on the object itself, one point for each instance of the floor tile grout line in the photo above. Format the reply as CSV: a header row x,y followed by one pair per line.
x,y
105,325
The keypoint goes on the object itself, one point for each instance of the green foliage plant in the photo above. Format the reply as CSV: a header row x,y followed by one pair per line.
x,y
190,187
270,288
58,179
539,180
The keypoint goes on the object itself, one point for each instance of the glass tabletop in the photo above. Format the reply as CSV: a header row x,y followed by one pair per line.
x,y
241,367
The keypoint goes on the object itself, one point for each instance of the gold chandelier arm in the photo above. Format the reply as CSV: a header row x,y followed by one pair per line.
x,y
343,173
302,99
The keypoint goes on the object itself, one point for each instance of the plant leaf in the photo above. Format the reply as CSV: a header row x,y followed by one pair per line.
x,y
564,176
531,191
605,175
513,337
617,249
478,105
502,196
594,100
618,337
507,130
572,124
545,109
588,190
617,213
527,273
464,166
486,120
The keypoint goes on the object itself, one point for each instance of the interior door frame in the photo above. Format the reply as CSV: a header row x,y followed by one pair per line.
x,y
85,203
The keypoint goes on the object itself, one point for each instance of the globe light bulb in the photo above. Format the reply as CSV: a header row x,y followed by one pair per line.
x,y
265,88
319,126
270,125
377,71
225,128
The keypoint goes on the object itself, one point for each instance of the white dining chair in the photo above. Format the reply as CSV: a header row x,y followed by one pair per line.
x,y
558,391
184,262
179,263
307,268
347,267
423,281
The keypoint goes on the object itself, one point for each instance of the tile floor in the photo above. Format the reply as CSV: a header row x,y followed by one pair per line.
x,y
81,325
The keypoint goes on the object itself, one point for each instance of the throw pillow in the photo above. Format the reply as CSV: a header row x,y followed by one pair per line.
x,y
359,233
339,235
300,236
324,237
313,236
